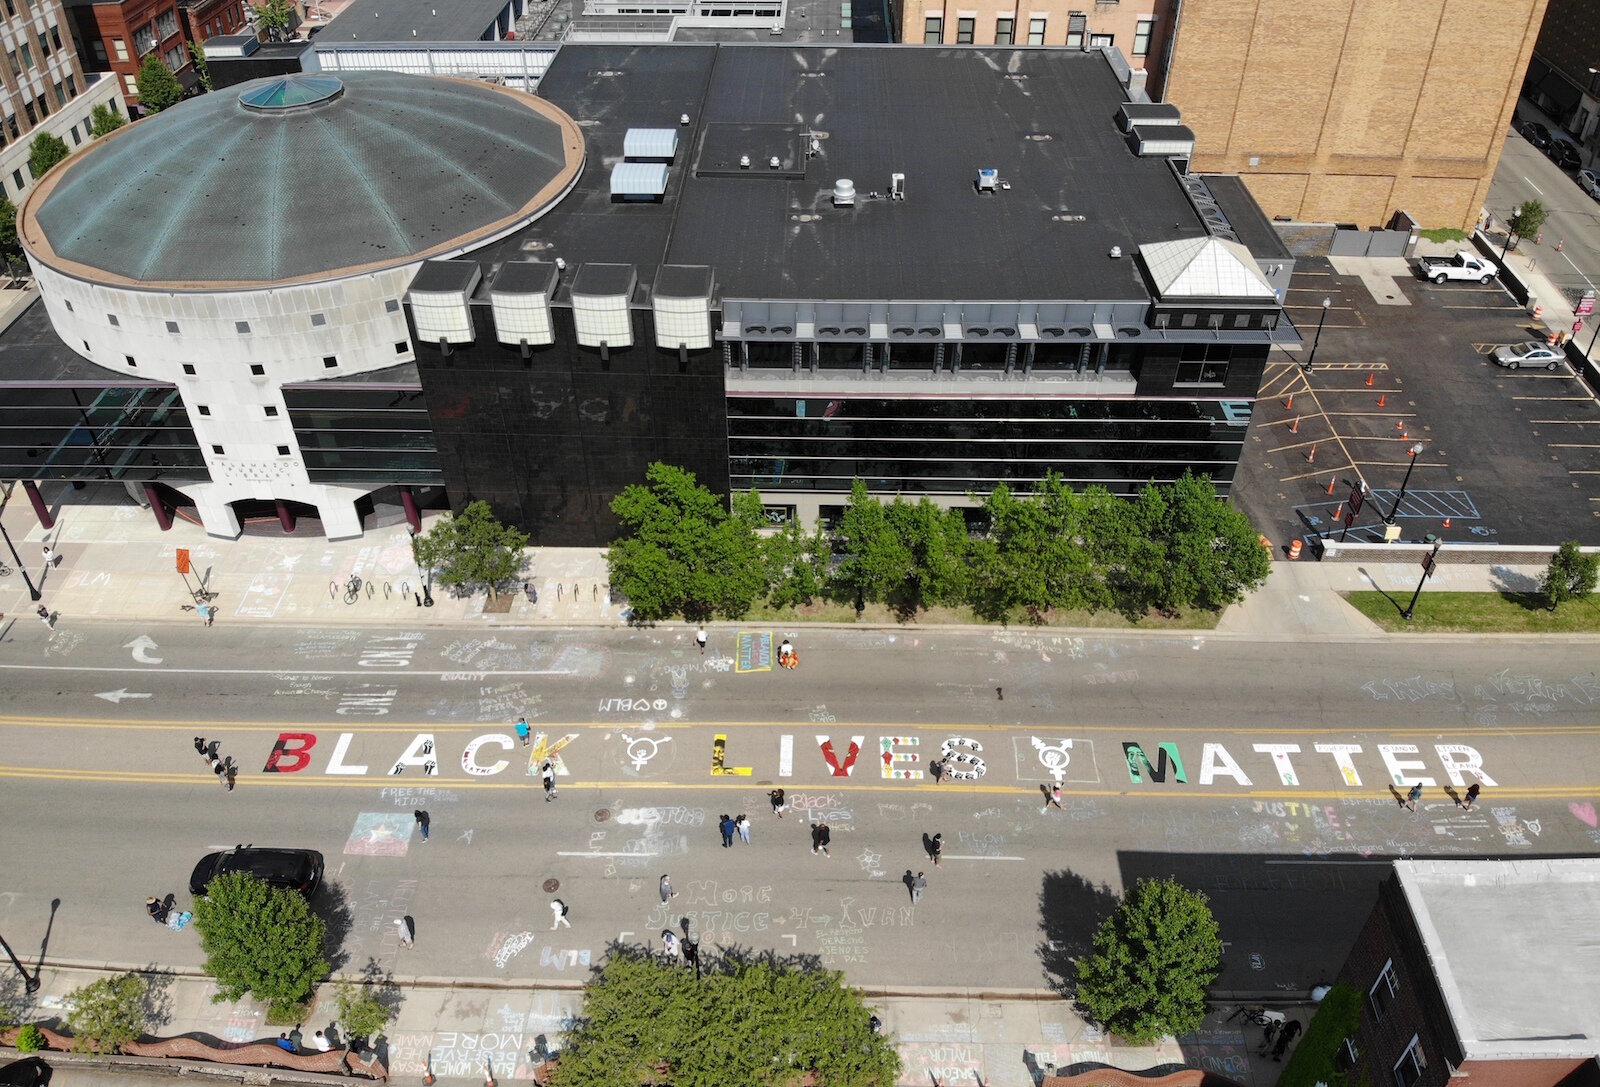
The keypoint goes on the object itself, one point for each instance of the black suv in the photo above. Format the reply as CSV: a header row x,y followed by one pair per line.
x,y
291,869
1536,134
1564,154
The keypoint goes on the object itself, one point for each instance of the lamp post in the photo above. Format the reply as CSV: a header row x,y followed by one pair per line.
x,y
1323,316
1515,211
1414,450
30,982
33,593
1428,562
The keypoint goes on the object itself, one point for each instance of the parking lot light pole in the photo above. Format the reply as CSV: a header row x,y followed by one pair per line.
x,y
1515,211
1414,450
1428,564
1326,303
30,982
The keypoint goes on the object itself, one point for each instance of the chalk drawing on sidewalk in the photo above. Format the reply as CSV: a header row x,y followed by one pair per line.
x,y
380,834
1064,759
264,594
642,750
754,651
508,945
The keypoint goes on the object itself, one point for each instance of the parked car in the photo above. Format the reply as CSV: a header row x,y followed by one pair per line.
x,y
1514,356
291,869
1536,134
1589,183
1462,265
1564,154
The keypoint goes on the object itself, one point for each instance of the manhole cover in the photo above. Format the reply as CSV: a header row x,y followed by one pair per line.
x,y
551,886
602,815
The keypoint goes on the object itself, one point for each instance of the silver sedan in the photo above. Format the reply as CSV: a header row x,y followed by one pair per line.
x,y
1514,356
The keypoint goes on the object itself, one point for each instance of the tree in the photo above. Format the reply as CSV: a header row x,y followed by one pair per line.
x,y
935,540
877,563
361,1012
46,150
158,87
197,51
1153,959
274,17
1528,219
647,1022
1571,575
260,940
797,565
107,1013
472,549
10,246
104,120
686,552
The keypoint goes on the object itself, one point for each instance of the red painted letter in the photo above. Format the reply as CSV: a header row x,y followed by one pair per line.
x,y
297,757
840,770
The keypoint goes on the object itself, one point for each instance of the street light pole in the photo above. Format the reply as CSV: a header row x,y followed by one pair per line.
x,y
1326,303
1515,211
29,982
33,593
1427,572
1414,450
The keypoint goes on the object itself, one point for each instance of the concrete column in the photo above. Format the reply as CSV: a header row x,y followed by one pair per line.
x,y
413,515
40,510
216,515
285,515
158,507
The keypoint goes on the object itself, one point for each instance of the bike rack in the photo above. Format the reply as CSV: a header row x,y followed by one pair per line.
x,y
387,588
333,590
371,590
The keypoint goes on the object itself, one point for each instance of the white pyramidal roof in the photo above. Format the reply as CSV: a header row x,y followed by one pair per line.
x,y
1204,268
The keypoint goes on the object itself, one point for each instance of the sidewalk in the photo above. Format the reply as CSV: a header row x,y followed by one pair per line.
x,y
114,563
965,1037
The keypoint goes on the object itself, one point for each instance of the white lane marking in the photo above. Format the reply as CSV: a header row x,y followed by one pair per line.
x,y
786,756
625,854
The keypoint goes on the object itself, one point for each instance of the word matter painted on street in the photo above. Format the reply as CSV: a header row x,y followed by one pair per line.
x,y
1216,761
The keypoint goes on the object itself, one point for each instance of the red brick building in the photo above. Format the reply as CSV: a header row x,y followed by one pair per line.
x,y
116,35
1483,973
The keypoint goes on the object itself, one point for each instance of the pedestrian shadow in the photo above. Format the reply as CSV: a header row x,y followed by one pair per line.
x,y
333,906
157,1002
1070,910
1455,797
1399,797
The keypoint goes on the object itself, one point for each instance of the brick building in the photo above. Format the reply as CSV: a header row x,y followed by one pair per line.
x,y
1563,77
117,35
1347,112
1481,972
1139,29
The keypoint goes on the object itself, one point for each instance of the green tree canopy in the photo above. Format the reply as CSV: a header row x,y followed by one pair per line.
x,y
361,1012
105,119
472,550
107,1013
10,247
158,87
197,51
46,150
1529,218
262,941
685,552
1201,552
877,563
1571,575
797,565
1152,962
756,1024
275,17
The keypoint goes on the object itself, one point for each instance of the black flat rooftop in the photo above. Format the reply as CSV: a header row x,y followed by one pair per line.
x,y
32,354
412,21
1044,119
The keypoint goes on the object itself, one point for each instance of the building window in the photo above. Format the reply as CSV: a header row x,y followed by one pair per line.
x,y
26,53
1077,27
44,47
172,326
44,106
933,30
55,37
318,320
257,370
1036,31
1408,1069
68,303
16,179
129,360
112,318
1102,41
204,409
401,348
119,48
188,368
72,87
964,28
11,58
217,449
329,362
77,137
11,9
1203,364
1381,995
1005,31
99,48
167,23
1141,37
61,95
272,411
283,451
392,305
175,58
242,327
132,85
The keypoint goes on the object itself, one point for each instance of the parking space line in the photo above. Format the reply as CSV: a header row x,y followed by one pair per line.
x,y
1570,422
1558,399
1571,445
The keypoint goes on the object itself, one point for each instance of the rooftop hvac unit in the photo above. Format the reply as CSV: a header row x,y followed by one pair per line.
x,y
988,180
844,193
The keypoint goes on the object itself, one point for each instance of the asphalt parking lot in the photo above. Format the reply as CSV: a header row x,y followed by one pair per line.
x,y
1508,457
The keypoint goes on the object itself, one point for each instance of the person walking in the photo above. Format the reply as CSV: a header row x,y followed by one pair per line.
x,y
231,774
423,822
156,909
1055,798
49,557
669,946
1472,796
547,774
44,615
558,911
200,747
522,730
935,847
727,826
742,825
936,768
407,929
918,885
700,640
1268,1033
778,802
820,837
220,769
1290,1030
1410,802
667,893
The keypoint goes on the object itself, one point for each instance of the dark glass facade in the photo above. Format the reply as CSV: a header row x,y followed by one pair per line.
x,y
951,446
549,438
359,435
135,433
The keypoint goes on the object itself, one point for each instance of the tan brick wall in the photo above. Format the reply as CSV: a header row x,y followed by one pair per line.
x,y
1348,110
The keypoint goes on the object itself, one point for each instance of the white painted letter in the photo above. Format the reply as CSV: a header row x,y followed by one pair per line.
x,y
1215,760
896,764
1398,767
1280,758
420,753
1471,762
469,761
1341,754
340,750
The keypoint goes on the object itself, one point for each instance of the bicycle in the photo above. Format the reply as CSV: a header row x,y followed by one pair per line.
x,y
5,571
352,589
1258,1015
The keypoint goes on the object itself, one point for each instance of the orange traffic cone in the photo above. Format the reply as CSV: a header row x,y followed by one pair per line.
x,y
1331,482
1447,522
1381,398
1369,380
427,1071
1538,310
1400,425
1312,456
1294,428
1288,405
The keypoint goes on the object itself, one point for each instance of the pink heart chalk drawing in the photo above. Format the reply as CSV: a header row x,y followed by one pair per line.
x,y
1585,812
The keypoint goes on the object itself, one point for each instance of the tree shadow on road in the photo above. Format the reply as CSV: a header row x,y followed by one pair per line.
x,y
333,906
1070,909
157,1003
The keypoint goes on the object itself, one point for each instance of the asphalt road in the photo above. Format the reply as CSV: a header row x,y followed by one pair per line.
x,y
1274,796
1526,174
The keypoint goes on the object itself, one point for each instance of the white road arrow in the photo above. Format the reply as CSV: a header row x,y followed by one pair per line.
x,y
139,646
119,695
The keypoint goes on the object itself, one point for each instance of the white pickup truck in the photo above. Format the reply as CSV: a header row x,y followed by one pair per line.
x,y
1463,265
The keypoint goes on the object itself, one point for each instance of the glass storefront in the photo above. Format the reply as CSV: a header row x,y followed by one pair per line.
x,y
126,433
364,436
